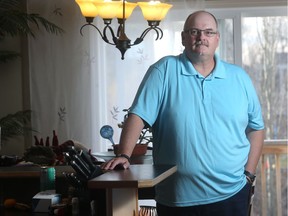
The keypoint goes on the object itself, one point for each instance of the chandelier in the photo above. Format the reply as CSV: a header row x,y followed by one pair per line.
x,y
153,12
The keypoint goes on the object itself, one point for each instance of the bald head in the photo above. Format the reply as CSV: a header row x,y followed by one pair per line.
x,y
192,16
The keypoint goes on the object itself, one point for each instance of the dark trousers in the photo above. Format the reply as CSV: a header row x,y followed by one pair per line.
x,y
237,205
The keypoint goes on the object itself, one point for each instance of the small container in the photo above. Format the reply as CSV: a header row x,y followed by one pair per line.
x,y
47,179
75,206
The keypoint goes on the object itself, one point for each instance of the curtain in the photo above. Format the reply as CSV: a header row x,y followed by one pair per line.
x,y
79,83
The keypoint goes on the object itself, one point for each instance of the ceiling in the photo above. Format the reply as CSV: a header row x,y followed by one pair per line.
x,y
236,3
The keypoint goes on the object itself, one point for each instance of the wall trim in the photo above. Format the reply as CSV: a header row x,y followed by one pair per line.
x,y
223,4
244,3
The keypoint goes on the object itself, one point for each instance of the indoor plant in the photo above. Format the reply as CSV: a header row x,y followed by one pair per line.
x,y
14,21
15,124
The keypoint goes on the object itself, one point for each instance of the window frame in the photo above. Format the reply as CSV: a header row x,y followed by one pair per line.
x,y
236,14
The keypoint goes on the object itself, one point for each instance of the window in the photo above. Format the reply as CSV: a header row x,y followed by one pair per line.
x,y
264,54
226,46
257,40
260,46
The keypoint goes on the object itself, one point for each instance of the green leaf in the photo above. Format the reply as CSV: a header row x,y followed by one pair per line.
x,y
16,124
14,21
6,56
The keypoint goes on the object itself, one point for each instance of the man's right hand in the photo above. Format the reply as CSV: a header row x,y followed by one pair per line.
x,y
116,163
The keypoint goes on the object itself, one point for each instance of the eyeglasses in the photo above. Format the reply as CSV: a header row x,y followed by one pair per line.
x,y
196,32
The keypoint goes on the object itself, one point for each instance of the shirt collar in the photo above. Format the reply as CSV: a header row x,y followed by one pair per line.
x,y
188,69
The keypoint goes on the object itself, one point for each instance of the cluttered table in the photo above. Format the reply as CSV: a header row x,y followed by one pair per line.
x,y
23,182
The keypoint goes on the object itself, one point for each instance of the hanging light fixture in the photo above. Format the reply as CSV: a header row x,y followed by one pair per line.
x,y
153,12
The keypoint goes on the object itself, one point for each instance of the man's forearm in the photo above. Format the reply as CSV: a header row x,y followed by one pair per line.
x,y
256,139
130,134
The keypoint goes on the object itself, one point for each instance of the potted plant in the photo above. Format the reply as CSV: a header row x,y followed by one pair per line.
x,y
15,124
14,21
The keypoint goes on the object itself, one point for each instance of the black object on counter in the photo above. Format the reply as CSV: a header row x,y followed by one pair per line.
x,y
83,166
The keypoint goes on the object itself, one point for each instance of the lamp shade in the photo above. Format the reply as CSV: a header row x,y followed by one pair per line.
x,y
107,9
154,10
88,9
129,7
165,9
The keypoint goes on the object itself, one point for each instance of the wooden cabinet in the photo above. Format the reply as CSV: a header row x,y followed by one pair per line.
x,y
122,186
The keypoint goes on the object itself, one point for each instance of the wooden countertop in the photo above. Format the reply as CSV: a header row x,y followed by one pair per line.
x,y
141,176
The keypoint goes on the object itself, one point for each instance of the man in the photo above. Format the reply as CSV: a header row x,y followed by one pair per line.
x,y
206,119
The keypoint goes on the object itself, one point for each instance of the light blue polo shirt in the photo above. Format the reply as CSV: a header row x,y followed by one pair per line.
x,y
199,125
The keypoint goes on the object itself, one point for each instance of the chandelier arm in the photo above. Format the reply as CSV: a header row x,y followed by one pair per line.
x,y
89,24
112,34
145,32
159,34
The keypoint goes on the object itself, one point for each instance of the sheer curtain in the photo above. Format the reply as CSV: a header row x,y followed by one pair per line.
x,y
79,83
